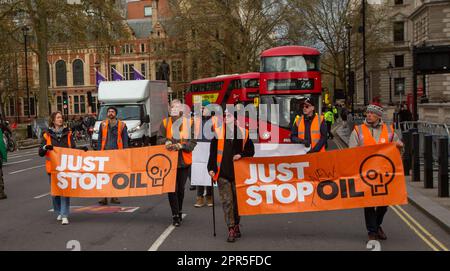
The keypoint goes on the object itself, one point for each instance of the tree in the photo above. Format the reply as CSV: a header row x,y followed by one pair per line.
x,y
63,23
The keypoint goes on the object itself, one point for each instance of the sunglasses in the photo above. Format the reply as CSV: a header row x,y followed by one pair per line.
x,y
307,106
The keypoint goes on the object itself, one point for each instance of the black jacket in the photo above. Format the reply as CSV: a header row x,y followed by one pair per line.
x,y
231,148
57,141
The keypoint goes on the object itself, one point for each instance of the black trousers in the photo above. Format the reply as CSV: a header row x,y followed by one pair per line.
x,y
176,198
201,190
374,217
330,135
2,182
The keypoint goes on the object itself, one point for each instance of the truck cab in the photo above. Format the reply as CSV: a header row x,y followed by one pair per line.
x,y
141,104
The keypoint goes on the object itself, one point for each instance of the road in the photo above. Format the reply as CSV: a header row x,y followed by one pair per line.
x,y
27,224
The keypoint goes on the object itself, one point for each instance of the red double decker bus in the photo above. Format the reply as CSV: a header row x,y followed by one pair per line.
x,y
224,89
288,75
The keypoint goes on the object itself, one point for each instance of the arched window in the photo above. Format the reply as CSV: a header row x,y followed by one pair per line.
x,y
61,73
48,74
78,73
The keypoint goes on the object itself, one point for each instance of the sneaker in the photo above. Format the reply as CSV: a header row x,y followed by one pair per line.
x,y
381,234
176,221
209,201
237,231
200,202
65,221
231,235
103,201
59,218
180,216
115,201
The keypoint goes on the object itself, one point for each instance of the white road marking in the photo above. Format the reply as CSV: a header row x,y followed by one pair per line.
x,y
41,196
20,156
26,169
17,162
163,237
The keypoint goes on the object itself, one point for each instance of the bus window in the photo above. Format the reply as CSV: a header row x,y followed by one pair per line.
x,y
250,83
290,64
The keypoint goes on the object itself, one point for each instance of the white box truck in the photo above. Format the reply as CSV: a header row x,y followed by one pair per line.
x,y
141,104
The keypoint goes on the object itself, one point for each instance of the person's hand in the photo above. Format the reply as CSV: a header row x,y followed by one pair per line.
x,y
307,144
237,157
178,146
399,144
170,147
48,147
212,173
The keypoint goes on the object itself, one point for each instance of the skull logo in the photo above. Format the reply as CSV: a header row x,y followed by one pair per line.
x,y
158,167
377,171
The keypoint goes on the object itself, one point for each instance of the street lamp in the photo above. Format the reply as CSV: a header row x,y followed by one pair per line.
x,y
25,30
348,27
390,68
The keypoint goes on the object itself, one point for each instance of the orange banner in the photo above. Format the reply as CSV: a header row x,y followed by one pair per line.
x,y
115,173
344,179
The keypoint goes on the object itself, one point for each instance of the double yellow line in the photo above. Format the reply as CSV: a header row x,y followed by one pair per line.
x,y
415,226
419,230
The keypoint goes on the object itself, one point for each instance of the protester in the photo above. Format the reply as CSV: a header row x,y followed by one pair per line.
x,y
335,112
57,135
203,199
374,131
182,141
113,135
308,131
329,119
3,158
231,143
404,115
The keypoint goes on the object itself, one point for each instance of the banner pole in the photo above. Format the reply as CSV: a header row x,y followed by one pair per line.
x,y
213,207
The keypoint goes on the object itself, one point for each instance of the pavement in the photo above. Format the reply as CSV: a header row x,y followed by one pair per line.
x,y
144,223
425,199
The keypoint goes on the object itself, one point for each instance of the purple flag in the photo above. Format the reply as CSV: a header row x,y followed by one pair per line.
x,y
116,76
138,75
99,77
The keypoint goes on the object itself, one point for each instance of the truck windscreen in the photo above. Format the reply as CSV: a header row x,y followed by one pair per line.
x,y
125,112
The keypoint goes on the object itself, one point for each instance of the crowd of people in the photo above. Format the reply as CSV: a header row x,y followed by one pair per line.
x,y
231,143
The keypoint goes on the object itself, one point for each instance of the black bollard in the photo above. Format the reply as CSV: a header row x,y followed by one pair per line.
x,y
415,158
443,190
428,159
411,145
406,155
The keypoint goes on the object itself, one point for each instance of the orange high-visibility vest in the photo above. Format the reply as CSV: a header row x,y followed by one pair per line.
x,y
366,138
314,130
48,141
220,132
167,122
105,125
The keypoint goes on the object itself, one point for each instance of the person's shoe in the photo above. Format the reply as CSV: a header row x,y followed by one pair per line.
x,y
231,235
3,196
237,231
65,221
115,201
59,218
176,221
192,188
209,201
373,236
103,201
200,202
180,216
381,234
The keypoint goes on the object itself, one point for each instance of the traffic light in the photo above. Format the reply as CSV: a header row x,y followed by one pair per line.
x,y
65,103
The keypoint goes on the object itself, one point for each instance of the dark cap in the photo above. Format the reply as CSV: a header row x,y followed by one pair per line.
x,y
309,101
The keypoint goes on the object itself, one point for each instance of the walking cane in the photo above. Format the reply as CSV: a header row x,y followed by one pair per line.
x,y
213,207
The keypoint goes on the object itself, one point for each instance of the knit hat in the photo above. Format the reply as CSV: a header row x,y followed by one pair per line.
x,y
375,108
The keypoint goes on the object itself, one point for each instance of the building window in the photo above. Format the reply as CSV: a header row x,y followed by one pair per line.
x,y
128,71
111,71
142,47
127,49
158,75
94,104
399,86
148,11
59,103
144,70
399,61
78,73
10,109
61,73
399,31
177,73
48,74
398,2
79,104
25,107
112,50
